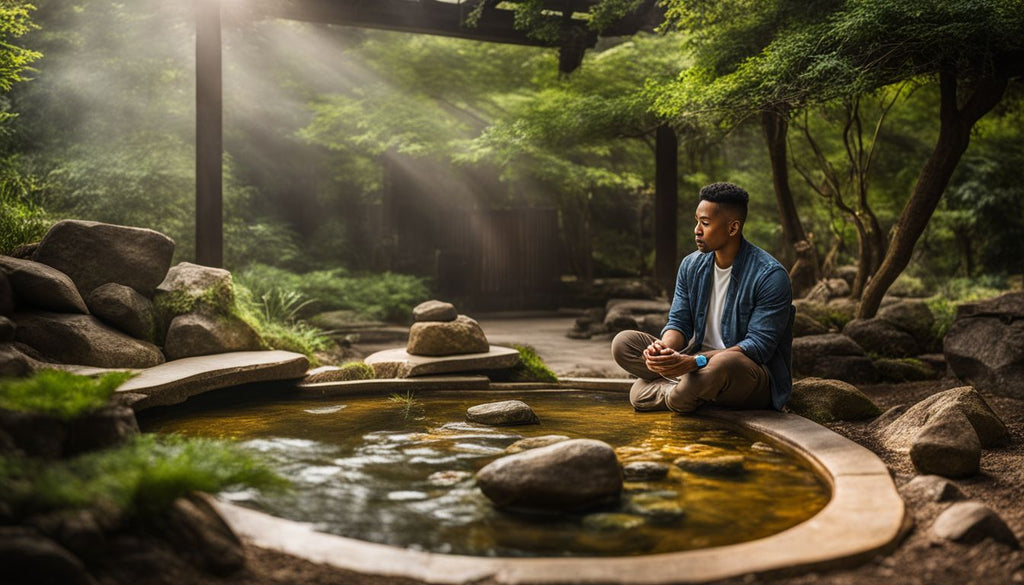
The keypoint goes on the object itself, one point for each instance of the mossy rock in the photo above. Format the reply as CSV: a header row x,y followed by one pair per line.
x,y
344,373
904,370
823,400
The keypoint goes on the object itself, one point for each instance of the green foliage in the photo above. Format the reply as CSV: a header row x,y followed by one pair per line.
x,y
407,402
274,315
58,393
21,220
355,371
386,296
957,291
140,478
15,22
531,368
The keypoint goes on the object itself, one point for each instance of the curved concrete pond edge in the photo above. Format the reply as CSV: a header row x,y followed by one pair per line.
x,y
864,517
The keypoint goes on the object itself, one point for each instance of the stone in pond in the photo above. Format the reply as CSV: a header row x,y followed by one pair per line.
x,y
568,476
434,311
534,443
611,522
972,522
724,465
645,471
448,478
504,413
659,507
436,338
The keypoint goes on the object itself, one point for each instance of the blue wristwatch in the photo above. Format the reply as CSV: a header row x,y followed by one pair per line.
x,y
701,361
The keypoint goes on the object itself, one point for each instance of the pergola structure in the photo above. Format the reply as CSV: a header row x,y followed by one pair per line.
x,y
495,22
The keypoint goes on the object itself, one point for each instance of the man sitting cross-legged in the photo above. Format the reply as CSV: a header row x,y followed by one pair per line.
x,y
729,337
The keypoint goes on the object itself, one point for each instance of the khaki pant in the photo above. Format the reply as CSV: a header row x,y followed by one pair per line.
x,y
730,379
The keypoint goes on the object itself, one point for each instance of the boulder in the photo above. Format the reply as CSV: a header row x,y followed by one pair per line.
x,y
195,334
625,314
7,330
645,471
28,557
42,287
504,413
830,400
832,356
972,522
905,370
947,445
34,434
913,317
14,363
93,253
202,537
568,476
48,436
100,429
83,340
125,309
880,337
930,489
434,338
847,272
899,434
189,287
828,288
434,311
6,295
534,443
985,345
804,325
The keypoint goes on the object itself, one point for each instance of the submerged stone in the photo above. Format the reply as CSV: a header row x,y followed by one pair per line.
x,y
611,522
534,443
571,475
504,413
645,471
722,465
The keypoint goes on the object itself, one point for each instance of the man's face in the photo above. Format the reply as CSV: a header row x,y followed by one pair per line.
x,y
714,227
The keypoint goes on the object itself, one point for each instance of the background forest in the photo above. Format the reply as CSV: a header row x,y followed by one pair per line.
x,y
101,127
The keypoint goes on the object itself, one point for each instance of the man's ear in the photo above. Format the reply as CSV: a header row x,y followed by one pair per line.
x,y
734,227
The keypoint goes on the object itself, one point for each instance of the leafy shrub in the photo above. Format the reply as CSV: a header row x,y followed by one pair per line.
x,y
387,296
58,393
957,291
531,368
21,220
275,318
139,478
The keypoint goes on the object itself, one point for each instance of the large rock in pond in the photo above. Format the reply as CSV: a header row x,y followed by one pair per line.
x,y
42,287
83,340
437,338
899,435
947,445
434,310
195,334
504,413
830,400
568,476
833,356
881,337
125,309
94,253
985,345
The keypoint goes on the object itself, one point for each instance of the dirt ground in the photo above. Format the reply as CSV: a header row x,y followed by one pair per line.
x,y
919,558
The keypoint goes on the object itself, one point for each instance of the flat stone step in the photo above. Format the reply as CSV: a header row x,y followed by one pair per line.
x,y
606,384
398,363
389,386
177,381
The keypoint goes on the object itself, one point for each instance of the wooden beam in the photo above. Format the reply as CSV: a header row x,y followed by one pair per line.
x,y
666,207
209,136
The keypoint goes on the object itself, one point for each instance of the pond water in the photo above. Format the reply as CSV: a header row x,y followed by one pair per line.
x,y
399,472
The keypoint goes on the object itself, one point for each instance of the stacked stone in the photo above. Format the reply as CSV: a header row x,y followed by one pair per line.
x,y
89,293
439,330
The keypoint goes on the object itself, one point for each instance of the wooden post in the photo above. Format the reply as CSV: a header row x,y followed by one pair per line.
x,y
209,136
666,206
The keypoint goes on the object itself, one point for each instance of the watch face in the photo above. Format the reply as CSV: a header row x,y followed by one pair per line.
x,y
702,361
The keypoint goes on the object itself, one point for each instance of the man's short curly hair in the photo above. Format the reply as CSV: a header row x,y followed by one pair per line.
x,y
727,195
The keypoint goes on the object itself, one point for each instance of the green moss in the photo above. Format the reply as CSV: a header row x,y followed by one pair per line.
x,y
356,371
277,329
530,368
139,478
58,393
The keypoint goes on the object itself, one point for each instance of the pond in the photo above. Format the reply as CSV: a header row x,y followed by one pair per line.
x,y
399,470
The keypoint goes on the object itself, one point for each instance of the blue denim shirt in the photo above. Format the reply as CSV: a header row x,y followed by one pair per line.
x,y
758,312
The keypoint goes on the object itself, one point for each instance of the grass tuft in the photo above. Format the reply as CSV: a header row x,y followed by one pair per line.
x,y
58,393
140,478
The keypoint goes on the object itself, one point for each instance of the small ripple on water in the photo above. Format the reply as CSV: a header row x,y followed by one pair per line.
x,y
406,495
326,409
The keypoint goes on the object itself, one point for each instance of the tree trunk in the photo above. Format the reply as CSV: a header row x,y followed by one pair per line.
x,y
666,208
954,136
776,126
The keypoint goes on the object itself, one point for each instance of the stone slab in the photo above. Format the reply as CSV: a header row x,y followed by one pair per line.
x,y
398,363
176,381
603,384
864,517
390,386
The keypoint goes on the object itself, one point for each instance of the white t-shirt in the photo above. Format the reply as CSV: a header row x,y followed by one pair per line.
x,y
713,329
